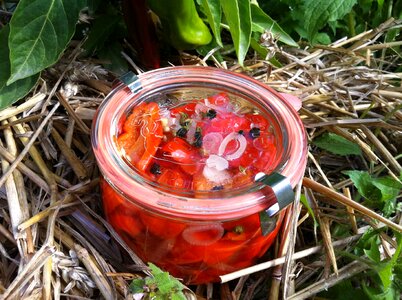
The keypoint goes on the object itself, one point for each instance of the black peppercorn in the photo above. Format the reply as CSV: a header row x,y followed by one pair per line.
x,y
217,188
182,132
254,132
197,138
155,169
211,114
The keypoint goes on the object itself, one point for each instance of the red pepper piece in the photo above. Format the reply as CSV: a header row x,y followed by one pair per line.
x,y
174,178
242,178
183,153
142,136
266,144
200,183
161,227
128,223
242,229
153,135
225,123
133,122
188,109
131,127
125,140
220,99
184,253
111,200
247,159
221,252
258,121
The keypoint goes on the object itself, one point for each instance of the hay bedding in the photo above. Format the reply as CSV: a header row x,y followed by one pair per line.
x,y
55,244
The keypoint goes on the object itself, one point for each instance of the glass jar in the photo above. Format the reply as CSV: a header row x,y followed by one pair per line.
x,y
197,233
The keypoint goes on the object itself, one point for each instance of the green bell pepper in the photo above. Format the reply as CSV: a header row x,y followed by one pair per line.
x,y
181,24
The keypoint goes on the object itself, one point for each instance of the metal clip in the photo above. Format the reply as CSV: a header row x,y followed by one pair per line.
x,y
284,195
131,81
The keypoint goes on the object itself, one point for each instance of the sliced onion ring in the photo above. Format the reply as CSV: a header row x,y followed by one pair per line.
x,y
217,162
203,235
240,150
216,107
200,107
211,142
213,175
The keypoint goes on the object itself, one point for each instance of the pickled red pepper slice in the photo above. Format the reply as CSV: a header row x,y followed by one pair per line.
x,y
143,132
183,153
153,136
132,127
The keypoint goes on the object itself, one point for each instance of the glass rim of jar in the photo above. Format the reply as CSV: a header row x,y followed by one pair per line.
x,y
129,183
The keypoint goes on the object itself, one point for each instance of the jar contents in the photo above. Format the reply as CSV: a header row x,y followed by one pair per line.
x,y
204,147
210,144
197,252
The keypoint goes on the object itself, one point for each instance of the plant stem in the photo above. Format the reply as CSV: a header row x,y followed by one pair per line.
x,y
75,163
281,260
344,273
351,23
30,270
96,274
317,187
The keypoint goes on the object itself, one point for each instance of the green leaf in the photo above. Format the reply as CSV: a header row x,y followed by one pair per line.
x,y
336,144
372,251
337,292
305,203
178,296
11,93
137,285
366,239
386,284
369,244
319,12
204,50
323,38
397,254
154,269
165,283
390,207
263,51
238,17
261,22
386,273
101,29
39,32
93,5
376,294
388,186
213,11
112,59
381,192
363,182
